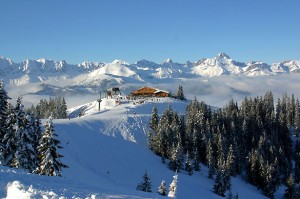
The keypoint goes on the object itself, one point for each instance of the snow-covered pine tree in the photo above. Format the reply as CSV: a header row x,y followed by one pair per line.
x,y
180,94
9,139
222,181
219,187
162,138
19,155
145,185
49,158
196,163
219,149
230,161
173,187
210,160
29,160
297,118
154,119
37,132
162,189
176,159
63,108
188,165
3,118
153,128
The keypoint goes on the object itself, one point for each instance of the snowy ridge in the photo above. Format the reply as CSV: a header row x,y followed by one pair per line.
x,y
141,71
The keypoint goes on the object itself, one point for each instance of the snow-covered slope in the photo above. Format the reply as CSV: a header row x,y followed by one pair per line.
x,y
107,155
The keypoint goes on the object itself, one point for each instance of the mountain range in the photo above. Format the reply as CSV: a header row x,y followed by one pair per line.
x,y
118,71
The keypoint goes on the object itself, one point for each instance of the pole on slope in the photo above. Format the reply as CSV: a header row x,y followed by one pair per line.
x,y
99,100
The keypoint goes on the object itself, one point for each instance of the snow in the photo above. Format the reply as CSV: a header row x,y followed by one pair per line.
x,y
107,154
219,65
107,150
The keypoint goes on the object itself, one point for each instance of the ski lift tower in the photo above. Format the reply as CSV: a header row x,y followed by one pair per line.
x,y
99,100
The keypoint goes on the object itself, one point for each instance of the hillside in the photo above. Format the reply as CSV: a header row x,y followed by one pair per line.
x,y
107,154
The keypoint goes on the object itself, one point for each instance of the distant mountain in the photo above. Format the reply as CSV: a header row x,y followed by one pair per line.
x,y
119,71
219,65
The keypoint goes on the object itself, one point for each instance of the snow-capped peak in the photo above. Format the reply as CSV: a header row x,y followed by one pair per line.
x,y
118,61
223,55
41,60
168,61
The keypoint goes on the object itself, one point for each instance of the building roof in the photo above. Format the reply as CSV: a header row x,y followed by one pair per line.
x,y
155,90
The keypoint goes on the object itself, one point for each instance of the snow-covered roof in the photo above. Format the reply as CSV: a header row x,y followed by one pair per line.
x,y
156,89
160,91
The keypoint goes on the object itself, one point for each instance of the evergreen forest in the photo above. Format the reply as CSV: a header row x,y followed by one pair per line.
x,y
55,107
257,140
24,143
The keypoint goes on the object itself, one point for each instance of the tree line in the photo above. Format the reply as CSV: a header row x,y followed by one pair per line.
x,y
24,143
55,107
253,140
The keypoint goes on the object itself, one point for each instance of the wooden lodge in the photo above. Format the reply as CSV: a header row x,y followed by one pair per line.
x,y
149,92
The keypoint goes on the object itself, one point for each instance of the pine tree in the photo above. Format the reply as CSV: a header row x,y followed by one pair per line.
x,y
219,149
19,156
290,191
210,160
188,164
230,161
173,187
297,118
297,162
10,140
162,139
222,181
154,119
196,162
145,185
3,119
227,179
153,128
180,94
162,189
269,185
219,187
63,109
49,158
176,159
28,148
37,132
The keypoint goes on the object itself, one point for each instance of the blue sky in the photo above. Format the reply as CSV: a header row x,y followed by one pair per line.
x,y
131,30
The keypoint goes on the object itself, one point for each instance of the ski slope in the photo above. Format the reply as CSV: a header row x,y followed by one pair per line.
x,y
107,155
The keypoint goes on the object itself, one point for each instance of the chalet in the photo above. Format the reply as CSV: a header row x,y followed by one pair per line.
x,y
149,92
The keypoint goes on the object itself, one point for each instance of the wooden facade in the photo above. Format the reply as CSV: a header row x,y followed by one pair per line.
x,y
149,92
